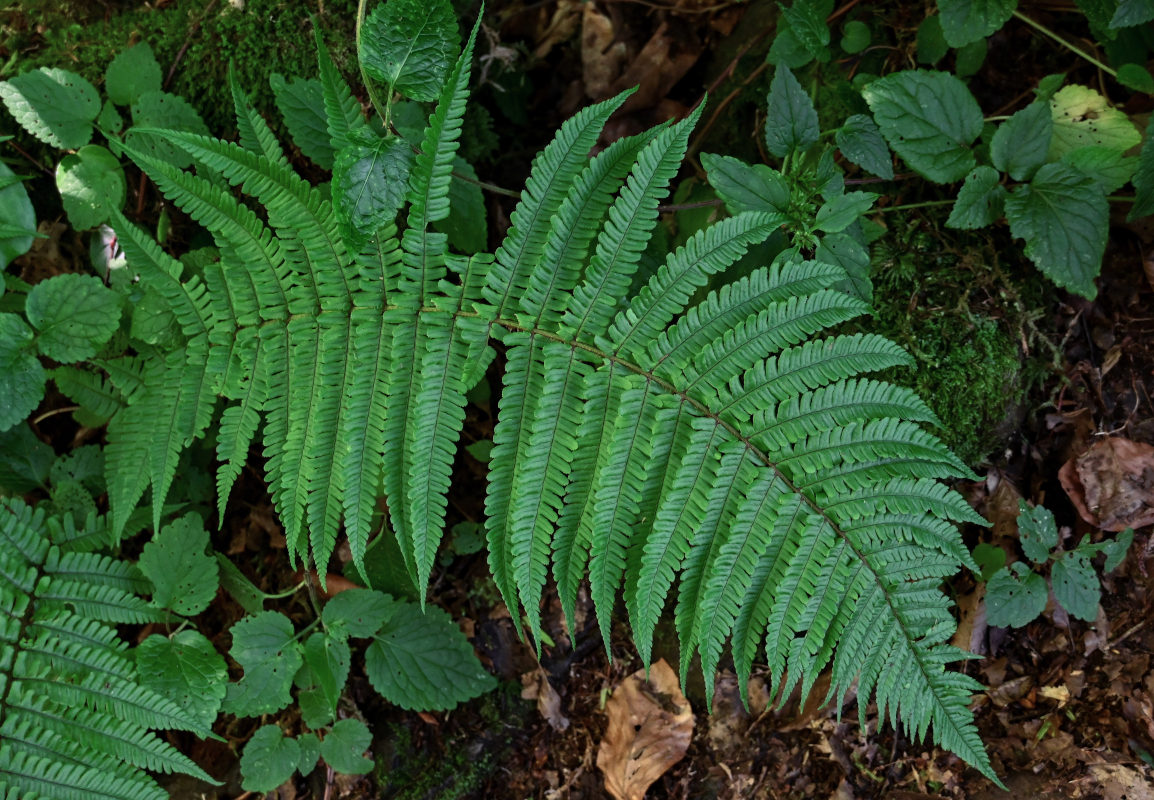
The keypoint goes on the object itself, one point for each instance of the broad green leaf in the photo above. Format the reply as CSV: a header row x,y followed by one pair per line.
x,y
806,19
1116,549
466,226
848,253
1131,13
15,210
357,613
310,752
860,140
344,745
980,200
269,760
184,576
84,464
841,212
746,187
243,591
855,36
1109,168
969,59
186,669
90,183
929,119
132,73
327,658
410,45
1098,14
965,21
990,558
1076,586
73,314
1136,77
1064,218
1049,86
1020,143
370,179
264,645
301,104
25,461
54,105
110,122
168,111
1036,531
421,661
786,49
1015,596
791,121
1083,117
931,41
1143,178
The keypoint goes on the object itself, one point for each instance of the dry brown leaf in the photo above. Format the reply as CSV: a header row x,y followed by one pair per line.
x,y
602,55
1112,484
662,62
1119,782
650,725
535,686
561,25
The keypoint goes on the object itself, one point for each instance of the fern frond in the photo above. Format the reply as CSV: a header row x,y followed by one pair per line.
x,y
342,111
255,134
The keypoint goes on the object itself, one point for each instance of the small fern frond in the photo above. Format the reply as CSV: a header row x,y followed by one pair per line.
x,y
255,134
342,111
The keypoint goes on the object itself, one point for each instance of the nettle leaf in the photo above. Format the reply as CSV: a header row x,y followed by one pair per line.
x,y
54,105
1015,596
860,140
1064,218
791,121
1083,117
1143,178
370,179
344,745
327,659
807,22
25,461
787,50
1076,586
1131,13
73,314
746,187
16,211
980,200
186,669
421,661
930,119
1037,532
466,226
301,103
270,759
410,45
965,21
185,578
90,183
841,212
310,752
132,73
1108,167
21,374
357,613
168,111
264,645
1020,143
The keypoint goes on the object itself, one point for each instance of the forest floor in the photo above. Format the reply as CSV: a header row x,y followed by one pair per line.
x,y
1068,709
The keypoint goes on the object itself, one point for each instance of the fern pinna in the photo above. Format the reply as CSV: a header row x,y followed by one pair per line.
x,y
74,720
726,445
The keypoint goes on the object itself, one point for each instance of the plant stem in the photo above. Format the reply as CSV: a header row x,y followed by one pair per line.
x,y
923,204
374,98
1075,50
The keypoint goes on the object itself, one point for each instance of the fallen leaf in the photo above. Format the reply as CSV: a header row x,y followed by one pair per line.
x,y
602,55
662,62
1112,484
650,725
535,686
1118,782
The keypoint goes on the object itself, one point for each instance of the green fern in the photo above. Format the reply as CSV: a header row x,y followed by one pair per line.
x,y
720,453
74,721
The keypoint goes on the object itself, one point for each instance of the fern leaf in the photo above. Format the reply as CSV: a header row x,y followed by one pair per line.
x,y
255,134
237,427
342,111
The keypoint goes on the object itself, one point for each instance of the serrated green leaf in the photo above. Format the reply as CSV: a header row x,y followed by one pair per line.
x,y
327,658
84,464
848,253
842,211
1136,77
1131,13
980,200
25,461
15,210
1015,596
90,184
269,760
21,374
421,661
969,59
990,558
1020,143
1143,178
301,103
74,316
1109,168
786,49
410,45
1049,85
370,179
344,745
965,21
860,140
806,19
357,613
110,122
264,646
186,669
855,36
1037,532
132,73
791,120
1064,218
745,187
168,111
931,41
243,591
185,578
1116,549
54,105
466,226
930,119
1076,586
1083,117
310,752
